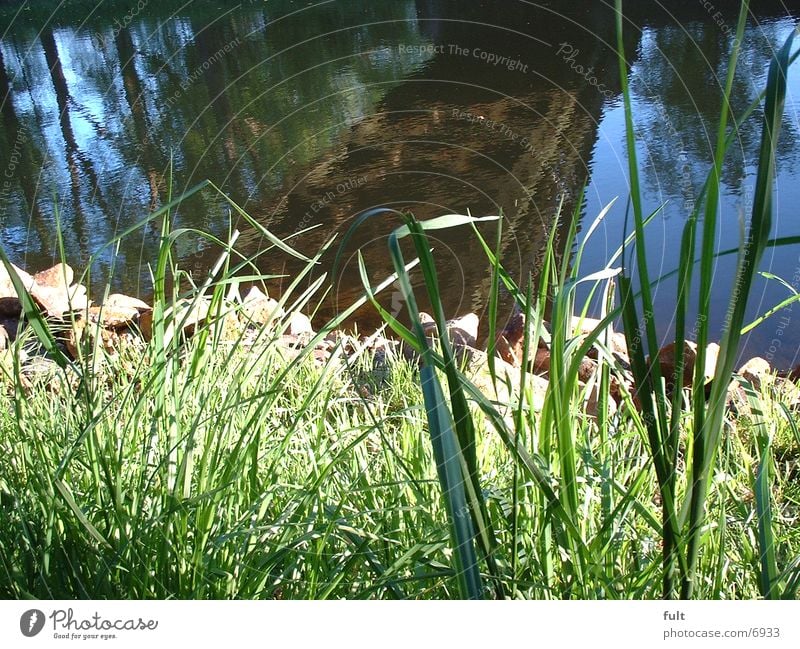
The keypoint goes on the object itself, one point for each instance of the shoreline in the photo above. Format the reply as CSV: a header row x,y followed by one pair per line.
x,y
122,323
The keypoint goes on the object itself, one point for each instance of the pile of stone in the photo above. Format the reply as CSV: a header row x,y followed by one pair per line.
x,y
756,371
123,322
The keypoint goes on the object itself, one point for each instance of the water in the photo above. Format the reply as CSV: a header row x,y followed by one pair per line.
x,y
307,114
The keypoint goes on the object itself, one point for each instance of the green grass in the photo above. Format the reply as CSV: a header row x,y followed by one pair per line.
x,y
205,469
211,468
251,475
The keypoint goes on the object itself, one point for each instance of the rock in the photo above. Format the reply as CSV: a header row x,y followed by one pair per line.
x,y
510,342
582,326
112,317
9,300
587,369
755,371
120,301
59,276
54,293
185,314
712,355
539,389
300,324
592,402
736,398
476,369
428,328
541,362
321,356
260,309
83,332
55,301
499,392
146,325
506,351
290,341
227,327
619,385
4,338
348,344
792,375
255,294
40,367
618,347
667,359
464,330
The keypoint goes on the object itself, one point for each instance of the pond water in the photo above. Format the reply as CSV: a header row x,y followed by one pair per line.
x,y
308,113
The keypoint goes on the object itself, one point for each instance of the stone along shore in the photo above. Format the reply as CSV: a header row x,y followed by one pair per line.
x,y
123,324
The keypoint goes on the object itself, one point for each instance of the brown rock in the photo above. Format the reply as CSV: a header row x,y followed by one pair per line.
x,y
9,300
59,276
185,314
755,371
510,342
618,386
258,308
53,291
85,333
463,331
112,317
126,302
541,362
668,357
56,301
587,369
146,325
505,351
12,327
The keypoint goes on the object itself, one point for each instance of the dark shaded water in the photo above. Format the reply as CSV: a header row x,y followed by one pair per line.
x,y
309,113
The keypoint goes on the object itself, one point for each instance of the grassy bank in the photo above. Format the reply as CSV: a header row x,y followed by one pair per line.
x,y
238,466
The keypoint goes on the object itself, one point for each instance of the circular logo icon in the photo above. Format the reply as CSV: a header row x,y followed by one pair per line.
x,y
31,622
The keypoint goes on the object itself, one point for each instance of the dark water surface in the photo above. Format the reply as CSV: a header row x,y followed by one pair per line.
x,y
308,113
